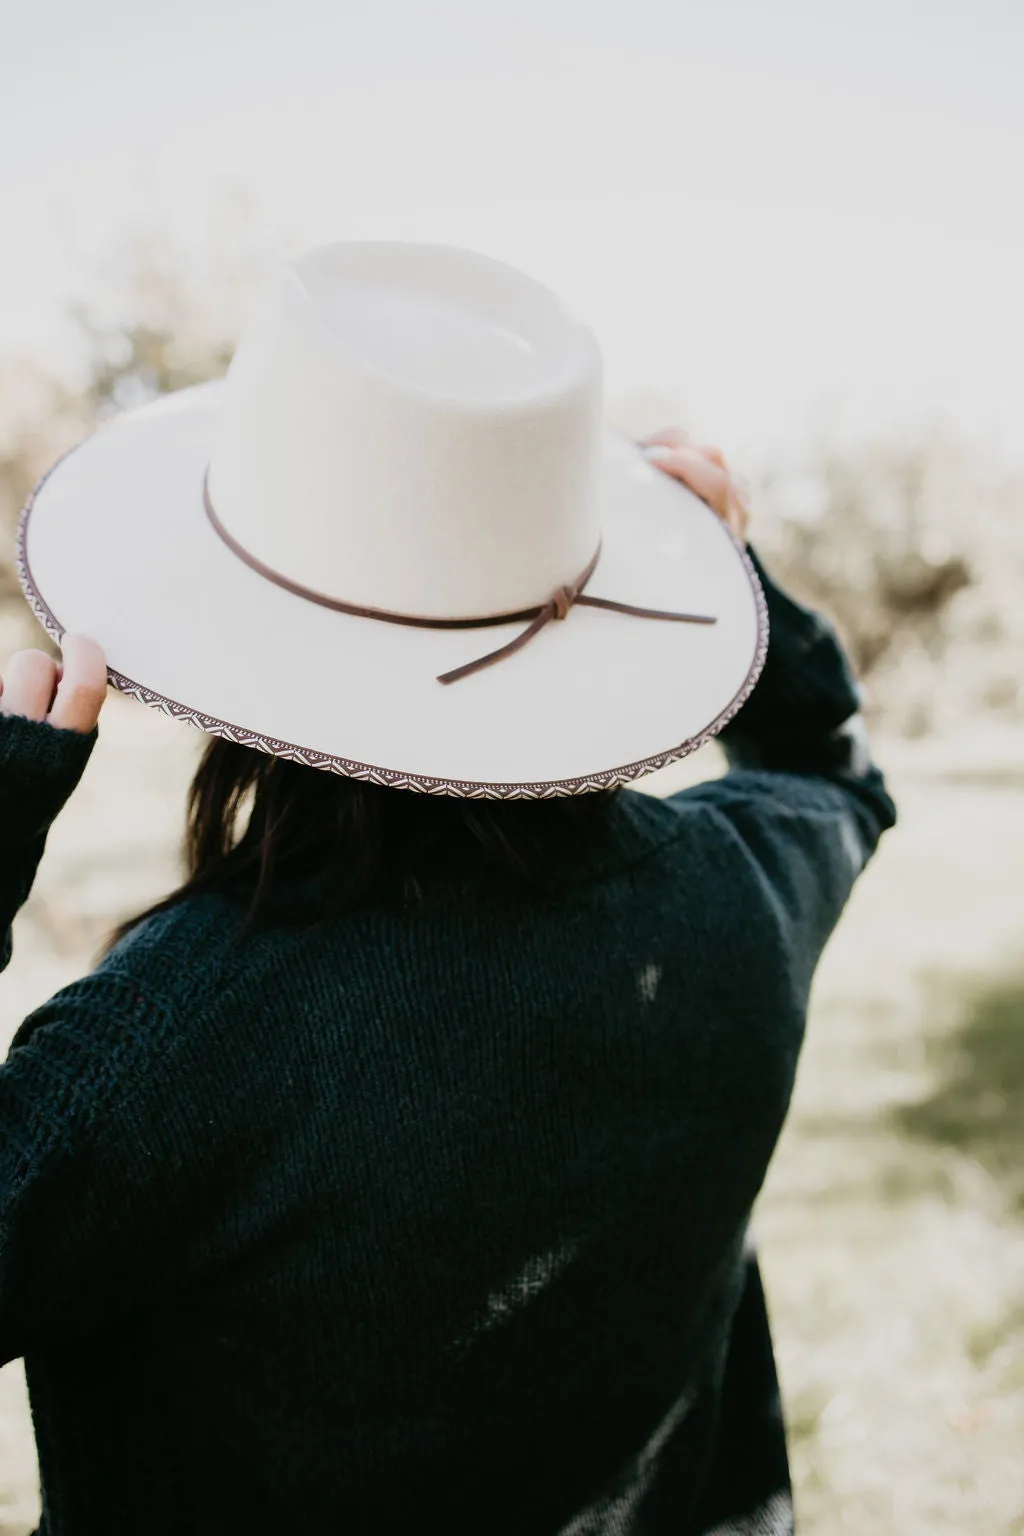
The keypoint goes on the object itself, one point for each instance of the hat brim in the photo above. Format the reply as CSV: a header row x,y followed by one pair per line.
x,y
115,544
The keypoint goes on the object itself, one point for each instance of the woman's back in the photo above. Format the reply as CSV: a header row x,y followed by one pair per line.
x,y
434,1213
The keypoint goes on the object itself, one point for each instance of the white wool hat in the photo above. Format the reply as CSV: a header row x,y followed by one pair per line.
x,y
398,542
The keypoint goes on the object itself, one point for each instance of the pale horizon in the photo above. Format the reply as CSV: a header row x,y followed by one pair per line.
x,y
782,223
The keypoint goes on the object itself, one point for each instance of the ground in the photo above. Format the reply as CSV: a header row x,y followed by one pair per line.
x,y
891,1226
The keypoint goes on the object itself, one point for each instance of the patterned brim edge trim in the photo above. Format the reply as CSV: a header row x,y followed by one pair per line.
x,y
390,777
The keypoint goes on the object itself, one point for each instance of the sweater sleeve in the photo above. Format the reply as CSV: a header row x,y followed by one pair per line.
x,y
79,1179
75,1092
39,768
802,792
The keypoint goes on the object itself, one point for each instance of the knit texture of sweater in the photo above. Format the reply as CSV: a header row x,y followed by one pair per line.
x,y
433,1216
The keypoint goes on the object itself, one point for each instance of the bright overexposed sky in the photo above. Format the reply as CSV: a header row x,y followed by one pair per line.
x,y
780,213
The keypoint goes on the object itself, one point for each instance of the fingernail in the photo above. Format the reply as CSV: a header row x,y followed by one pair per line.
x,y
659,451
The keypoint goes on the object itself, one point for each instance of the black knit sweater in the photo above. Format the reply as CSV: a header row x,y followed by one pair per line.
x,y
434,1217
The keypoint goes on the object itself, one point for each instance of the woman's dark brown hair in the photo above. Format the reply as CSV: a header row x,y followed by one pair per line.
x,y
258,826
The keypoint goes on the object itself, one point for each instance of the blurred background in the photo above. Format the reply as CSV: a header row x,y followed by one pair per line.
x,y
793,228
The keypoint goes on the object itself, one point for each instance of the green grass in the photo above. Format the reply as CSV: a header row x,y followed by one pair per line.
x,y
976,1105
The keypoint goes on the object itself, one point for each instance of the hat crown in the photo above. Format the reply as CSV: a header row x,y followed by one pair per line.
x,y
415,428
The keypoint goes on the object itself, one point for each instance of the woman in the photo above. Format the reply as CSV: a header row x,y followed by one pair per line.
x,y
395,1172
230,1263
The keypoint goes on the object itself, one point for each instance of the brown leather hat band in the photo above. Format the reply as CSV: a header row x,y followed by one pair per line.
x,y
557,606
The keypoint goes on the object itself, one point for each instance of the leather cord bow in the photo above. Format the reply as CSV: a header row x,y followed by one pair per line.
x,y
558,606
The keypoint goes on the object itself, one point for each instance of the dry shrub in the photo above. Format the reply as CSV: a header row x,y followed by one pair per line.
x,y
913,544
915,548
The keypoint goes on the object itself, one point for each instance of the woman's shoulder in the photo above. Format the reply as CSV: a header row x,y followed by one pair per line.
x,y
179,955
141,993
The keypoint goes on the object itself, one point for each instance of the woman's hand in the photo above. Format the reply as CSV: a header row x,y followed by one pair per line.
x,y
705,471
68,694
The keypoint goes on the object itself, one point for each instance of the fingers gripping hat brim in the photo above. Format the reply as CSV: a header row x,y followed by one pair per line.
x,y
115,543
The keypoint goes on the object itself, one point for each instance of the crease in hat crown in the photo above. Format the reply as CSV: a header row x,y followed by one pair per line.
x,y
415,428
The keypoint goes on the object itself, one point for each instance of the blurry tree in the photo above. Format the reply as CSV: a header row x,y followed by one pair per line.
x,y
914,546
153,324
872,558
